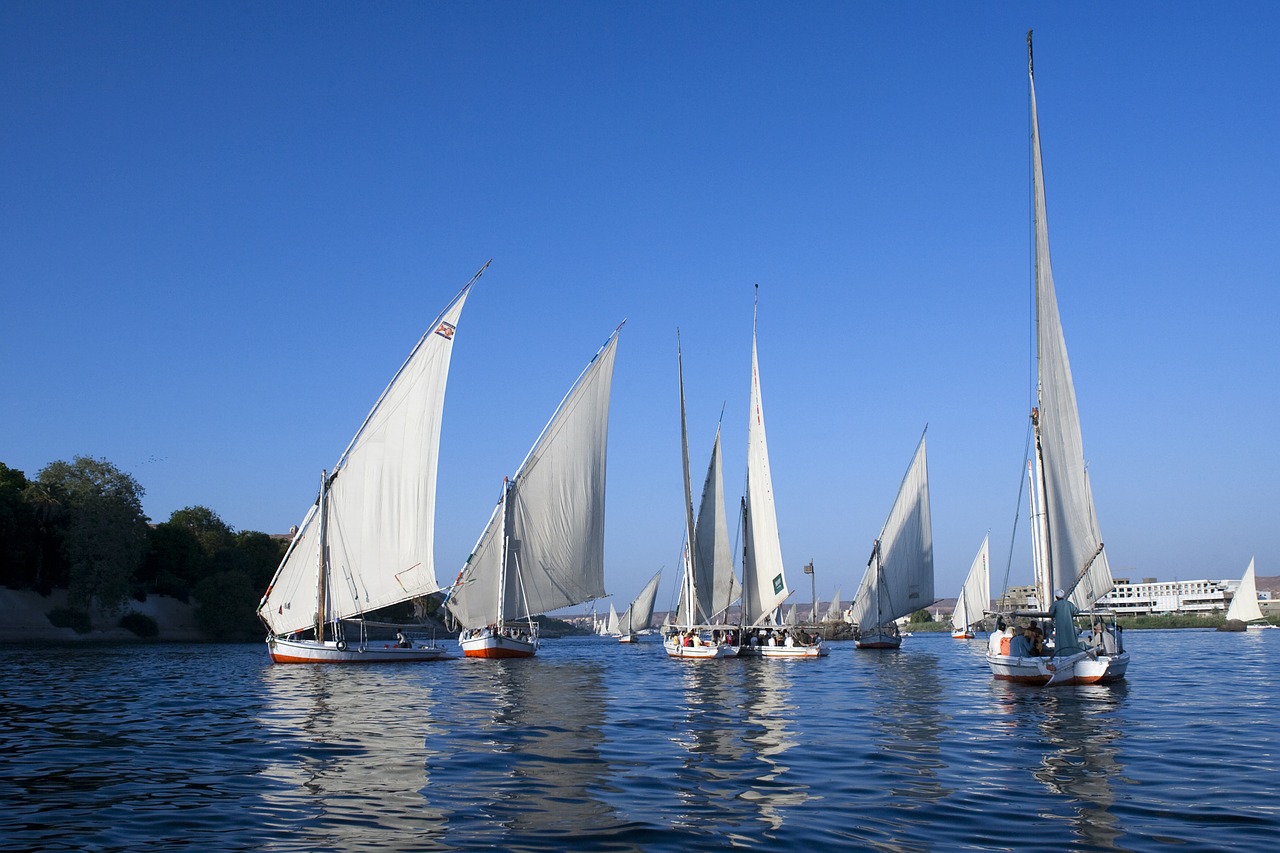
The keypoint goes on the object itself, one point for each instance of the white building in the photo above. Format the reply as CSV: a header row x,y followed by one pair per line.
x,y
1153,596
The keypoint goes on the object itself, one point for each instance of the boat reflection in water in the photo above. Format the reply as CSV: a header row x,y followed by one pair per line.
x,y
524,756
770,721
910,731
348,753
1079,736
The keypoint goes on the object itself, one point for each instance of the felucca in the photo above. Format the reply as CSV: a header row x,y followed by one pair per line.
x,y
368,540
707,586
899,576
975,596
1070,561
543,548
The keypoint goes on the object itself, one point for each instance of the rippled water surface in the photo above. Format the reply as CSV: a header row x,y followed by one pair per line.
x,y
598,746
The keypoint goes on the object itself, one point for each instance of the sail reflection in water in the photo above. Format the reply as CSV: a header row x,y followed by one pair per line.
x,y
358,739
523,756
601,746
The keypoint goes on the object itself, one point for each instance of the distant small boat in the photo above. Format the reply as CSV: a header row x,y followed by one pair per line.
x,y
639,614
899,576
1244,613
543,548
367,542
975,596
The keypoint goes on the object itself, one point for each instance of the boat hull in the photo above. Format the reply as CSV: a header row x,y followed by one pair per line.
x,y
310,651
498,646
1044,672
629,638
878,640
817,650
705,651
962,635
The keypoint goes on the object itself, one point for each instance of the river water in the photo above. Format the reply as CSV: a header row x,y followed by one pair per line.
x,y
598,746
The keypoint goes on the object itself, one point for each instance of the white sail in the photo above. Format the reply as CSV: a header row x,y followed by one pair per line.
x,y
717,587
835,612
1077,561
764,585
381,499
899,579
1244,604
975,594
611,624
639,616
551,516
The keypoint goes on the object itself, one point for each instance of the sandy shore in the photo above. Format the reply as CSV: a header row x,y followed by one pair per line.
x,y
25,620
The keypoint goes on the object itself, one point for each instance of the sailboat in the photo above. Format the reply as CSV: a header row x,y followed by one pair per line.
x,y
764,583
1244,611
835,612
639,614
899,576
367,541
707,586
1068,552
975,596
543,547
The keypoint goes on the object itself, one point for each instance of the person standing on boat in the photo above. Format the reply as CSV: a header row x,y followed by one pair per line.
x,y
1063,614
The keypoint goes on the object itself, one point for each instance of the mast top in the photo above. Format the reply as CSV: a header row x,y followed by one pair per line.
x,y
1030,64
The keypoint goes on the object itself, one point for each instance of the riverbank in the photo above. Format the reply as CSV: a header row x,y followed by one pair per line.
x,y
26,620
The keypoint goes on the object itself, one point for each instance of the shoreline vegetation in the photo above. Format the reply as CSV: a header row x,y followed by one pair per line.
x,y
79,561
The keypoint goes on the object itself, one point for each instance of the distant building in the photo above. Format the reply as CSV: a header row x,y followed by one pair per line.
x,y
1153,596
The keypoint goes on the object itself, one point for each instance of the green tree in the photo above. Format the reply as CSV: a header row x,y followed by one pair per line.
x,y
105,533
19,546
920,617
227,606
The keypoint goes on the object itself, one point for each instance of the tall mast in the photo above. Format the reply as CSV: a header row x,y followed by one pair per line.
x,y
506,538
690,572
322,574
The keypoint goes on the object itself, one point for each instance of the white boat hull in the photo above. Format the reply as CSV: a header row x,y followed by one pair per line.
x,y
817,650
489,644
629,638
705,651
1047,671
310,651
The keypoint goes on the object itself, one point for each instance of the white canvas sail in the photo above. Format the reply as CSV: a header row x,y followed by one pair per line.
x,y
381,499
551,516
611,624
717,587
1244,604
975,594
899,580
836,611
764,585
639,616
1077,561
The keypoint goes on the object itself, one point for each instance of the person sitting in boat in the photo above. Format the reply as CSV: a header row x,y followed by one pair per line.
x,y
1101,639
1063,613
1023,645
401,642
790,640
1037,641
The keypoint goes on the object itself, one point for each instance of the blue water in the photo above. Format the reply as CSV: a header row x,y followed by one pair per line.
x,y
598,746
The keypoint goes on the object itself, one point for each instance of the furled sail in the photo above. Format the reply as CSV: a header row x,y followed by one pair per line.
x,y
1077,561
763,581
900,581
551,515
381,499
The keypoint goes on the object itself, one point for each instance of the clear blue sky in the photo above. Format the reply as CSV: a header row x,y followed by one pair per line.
x,y
223,225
